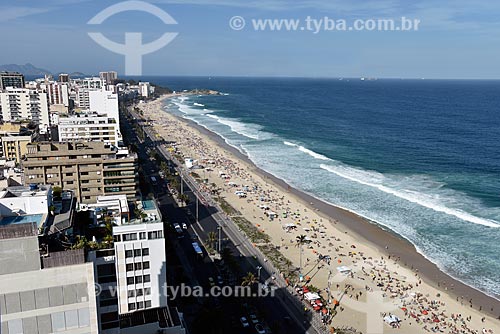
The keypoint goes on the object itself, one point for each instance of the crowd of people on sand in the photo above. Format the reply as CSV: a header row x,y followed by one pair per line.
x,y
269,205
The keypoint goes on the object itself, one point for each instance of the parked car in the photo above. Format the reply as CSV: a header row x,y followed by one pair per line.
x,y
211,281
184,226
244,322
253,319
260,329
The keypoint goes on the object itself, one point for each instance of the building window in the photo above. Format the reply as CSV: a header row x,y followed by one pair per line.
x,y
131,306
145,251
147,304
118,238
130,280
140,305
131,293
147,291
142,235
129,253
130,267
147,279
139,292
155,235
138,279
129,236
138,266
145,265
137,252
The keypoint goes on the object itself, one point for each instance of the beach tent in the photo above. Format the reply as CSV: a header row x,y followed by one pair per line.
x,y
391,319
344,269
311,296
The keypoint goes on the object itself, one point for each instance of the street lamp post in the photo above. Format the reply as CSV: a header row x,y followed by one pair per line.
x,y
258,272
220,240
197,209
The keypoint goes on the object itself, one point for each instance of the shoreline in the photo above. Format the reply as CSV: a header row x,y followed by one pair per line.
x,y
370,232
364,232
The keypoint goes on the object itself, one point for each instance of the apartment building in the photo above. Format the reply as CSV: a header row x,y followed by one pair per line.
x,y
57,93
11,79
108,77
20,104
89,169
14,139
104,102
43,293
40,291
132,278
89,126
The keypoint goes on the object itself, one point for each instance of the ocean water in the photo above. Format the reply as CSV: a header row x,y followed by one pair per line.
x,y
419,157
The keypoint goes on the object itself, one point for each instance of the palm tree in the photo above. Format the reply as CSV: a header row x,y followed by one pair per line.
x,y
81,243
184,198
301,240
212,239
249,279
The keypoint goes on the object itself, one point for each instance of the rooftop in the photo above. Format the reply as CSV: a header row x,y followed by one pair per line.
x,y
150,213
22,191
38,219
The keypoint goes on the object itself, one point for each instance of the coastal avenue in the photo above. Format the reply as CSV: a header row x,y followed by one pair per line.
x,y
290,318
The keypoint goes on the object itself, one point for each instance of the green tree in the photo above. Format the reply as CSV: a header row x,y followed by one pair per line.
x,y
212,239
301,240
81,243
249,280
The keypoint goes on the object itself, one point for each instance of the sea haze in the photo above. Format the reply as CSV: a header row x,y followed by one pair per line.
x,y
419,157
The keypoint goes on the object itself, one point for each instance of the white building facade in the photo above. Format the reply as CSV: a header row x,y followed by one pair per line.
x,y
89,126
18,104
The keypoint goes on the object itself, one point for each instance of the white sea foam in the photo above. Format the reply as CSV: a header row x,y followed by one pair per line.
x,y
251,131
373,179
198,104
307,151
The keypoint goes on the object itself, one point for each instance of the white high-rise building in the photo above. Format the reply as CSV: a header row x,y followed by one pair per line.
x,y
132,275
104,102
18,104
140,262
89,126
144,89
57,93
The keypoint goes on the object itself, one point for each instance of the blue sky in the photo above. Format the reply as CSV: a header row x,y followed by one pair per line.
x,y
456,38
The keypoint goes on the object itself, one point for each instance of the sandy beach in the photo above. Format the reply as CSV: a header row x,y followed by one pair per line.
x,y
385,275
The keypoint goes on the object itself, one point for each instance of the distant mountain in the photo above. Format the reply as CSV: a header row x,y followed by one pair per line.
x,y
77,75
27,69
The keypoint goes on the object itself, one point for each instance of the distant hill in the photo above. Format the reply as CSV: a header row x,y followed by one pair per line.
x,y
26,69
78,75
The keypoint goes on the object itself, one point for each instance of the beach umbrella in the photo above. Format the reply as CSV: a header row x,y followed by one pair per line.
x,y
425,312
